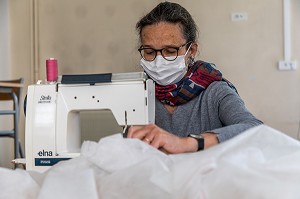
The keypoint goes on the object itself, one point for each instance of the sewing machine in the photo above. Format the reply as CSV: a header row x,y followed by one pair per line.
x,y
52,112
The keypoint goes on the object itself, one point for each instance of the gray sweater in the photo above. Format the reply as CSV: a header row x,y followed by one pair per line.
x,y
218,109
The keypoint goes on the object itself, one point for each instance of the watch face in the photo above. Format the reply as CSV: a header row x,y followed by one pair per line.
x,y
196,136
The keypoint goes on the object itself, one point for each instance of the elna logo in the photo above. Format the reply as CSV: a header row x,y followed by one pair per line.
x,y
45,99
45,153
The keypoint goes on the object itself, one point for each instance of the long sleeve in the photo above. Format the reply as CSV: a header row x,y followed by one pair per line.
x,y
218,109
232,113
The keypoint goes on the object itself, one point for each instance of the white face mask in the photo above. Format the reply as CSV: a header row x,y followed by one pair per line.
x,y
165,72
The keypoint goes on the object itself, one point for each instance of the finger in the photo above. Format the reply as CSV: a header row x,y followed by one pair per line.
x,y
157,142
141,133
148,138
132,130
152,131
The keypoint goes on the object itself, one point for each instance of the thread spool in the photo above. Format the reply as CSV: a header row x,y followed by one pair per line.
x,y
51,69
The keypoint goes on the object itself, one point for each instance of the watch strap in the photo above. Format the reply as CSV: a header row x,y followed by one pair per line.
x,y
200,140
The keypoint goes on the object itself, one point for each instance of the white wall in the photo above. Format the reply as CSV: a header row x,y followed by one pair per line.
x,y
4,39
6,144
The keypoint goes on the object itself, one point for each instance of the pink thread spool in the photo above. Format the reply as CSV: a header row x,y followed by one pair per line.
x,y
52,71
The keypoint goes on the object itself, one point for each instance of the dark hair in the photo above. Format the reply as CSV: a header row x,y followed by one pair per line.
x,y
172,13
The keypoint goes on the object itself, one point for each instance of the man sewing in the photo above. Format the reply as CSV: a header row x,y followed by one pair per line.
x,y
196,108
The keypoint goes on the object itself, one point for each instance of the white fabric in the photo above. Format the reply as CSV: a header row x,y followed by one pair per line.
x,y
259,163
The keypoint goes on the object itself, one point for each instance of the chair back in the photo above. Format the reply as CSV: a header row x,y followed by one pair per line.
x,y
17,90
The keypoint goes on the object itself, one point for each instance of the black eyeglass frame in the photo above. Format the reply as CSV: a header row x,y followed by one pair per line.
x,y
161,51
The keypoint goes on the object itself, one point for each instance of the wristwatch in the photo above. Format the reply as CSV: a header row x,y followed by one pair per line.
x,y
200,140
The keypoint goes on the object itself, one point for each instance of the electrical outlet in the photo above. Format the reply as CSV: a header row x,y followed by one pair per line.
x,y
287,65
239,16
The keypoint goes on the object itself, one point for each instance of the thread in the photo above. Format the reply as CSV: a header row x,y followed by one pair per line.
x,y
51,69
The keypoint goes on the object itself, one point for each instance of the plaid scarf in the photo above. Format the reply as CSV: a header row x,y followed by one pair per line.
x,y
198,77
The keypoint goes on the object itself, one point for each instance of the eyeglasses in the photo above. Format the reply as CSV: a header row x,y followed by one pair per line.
x,y
168,53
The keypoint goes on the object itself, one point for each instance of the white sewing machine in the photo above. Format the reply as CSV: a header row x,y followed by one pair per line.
x,y
52,112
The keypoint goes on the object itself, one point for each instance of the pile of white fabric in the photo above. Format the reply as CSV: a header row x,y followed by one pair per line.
x,y
259,163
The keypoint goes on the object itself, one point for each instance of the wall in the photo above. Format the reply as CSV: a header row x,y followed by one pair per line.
x,y
99,36
89,36
6,144
93,37
248,53
15,61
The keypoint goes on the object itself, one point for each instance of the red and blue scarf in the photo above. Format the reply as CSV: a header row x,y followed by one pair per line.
x,y
198,77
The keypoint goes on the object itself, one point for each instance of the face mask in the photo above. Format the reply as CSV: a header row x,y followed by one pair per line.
x,y
165,72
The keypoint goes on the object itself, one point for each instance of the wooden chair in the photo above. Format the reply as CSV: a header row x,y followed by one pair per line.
x,y
11,90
